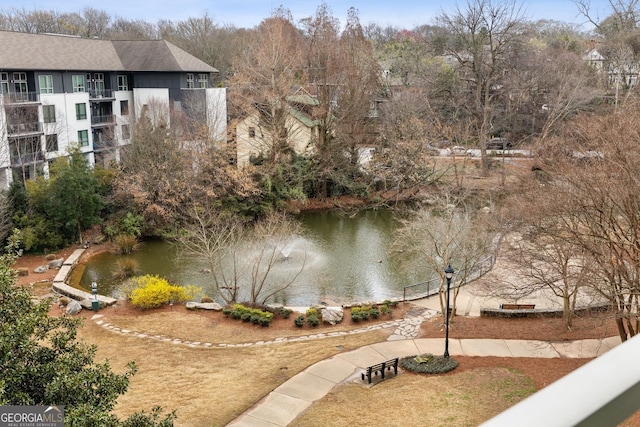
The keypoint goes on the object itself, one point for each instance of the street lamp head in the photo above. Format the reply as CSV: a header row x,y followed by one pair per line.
x,y
448,272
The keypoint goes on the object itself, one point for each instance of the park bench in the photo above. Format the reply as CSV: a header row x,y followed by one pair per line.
x,y
517,306
380,368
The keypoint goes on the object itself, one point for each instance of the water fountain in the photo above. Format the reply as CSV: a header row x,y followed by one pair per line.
x,y
342,260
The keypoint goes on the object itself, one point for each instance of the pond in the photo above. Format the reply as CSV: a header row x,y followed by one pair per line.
x,y
342,259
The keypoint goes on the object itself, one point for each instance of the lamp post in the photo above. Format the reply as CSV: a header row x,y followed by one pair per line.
x,y
448,274
95,304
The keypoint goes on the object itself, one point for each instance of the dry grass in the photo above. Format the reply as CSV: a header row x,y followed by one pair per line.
x,y
204,327
209,387
465,399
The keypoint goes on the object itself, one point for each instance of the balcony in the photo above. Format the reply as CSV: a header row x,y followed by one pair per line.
x,y
23,159
103,144
101,95
21,98
103,120
602,393
23,129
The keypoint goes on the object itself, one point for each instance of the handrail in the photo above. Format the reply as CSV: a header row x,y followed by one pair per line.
x,y
480,269
602,393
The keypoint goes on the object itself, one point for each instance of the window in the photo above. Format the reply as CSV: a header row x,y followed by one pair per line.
x,y
4,82
77,81
203,80
49,113
98,83
20,86
252,132
190,84
126,133
81,111
123,84
124,108
83,138
52,142
46,83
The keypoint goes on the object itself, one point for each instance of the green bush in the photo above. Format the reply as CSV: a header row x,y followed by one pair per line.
x,y
312,320
366,312
427,363
299,321
248,314
153,291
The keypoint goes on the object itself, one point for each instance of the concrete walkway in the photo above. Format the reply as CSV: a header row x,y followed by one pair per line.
x,y
285,403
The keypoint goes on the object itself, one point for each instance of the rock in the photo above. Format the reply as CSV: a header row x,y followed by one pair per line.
x,y
332,315
73,307
56,263
23,271
41,269
192,305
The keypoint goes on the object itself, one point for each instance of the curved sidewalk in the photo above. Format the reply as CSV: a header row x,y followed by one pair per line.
x,y
285,403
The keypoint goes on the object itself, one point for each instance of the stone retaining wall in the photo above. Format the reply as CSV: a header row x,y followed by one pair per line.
x,y
539,312
60,284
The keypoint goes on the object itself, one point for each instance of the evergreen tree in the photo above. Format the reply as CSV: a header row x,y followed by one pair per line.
x,y
42,363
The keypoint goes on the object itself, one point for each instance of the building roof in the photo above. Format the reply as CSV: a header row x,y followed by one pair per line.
x,y
28,51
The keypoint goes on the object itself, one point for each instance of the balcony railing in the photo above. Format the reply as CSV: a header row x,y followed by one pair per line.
x,y
97,94
103,144
26,158
106,119
602,393
20,97
24,128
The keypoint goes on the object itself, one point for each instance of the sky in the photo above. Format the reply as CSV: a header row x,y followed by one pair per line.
x,y
248,13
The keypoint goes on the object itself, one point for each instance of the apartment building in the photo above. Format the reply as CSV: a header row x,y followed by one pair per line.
x,y
57,91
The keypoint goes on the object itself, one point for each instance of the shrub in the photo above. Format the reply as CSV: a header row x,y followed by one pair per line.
x,y
206,300
285,313
312,312
248,314
428,364
312,320
299,321
390,303
125,244
374,312
125,268
152,292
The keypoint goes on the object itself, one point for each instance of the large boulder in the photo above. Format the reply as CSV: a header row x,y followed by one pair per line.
x,y
56,263
332,315
73,307
41,269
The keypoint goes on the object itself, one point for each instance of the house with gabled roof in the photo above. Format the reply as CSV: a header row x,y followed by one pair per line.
x,y
253,139
57,91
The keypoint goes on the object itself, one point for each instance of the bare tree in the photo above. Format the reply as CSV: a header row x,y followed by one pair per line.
x,y
268,73
592,189
544,259
484,37
447,235
243,260
345,79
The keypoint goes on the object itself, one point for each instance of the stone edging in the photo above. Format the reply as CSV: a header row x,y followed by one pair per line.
x,y
406,328
60,285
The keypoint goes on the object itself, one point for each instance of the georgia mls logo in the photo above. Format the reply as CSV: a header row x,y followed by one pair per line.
x,y
31,416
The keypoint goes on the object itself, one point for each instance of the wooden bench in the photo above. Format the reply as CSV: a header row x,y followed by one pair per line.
x,y
381,368
517,306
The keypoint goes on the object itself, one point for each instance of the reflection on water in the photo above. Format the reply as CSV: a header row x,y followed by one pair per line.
x,y
345,259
